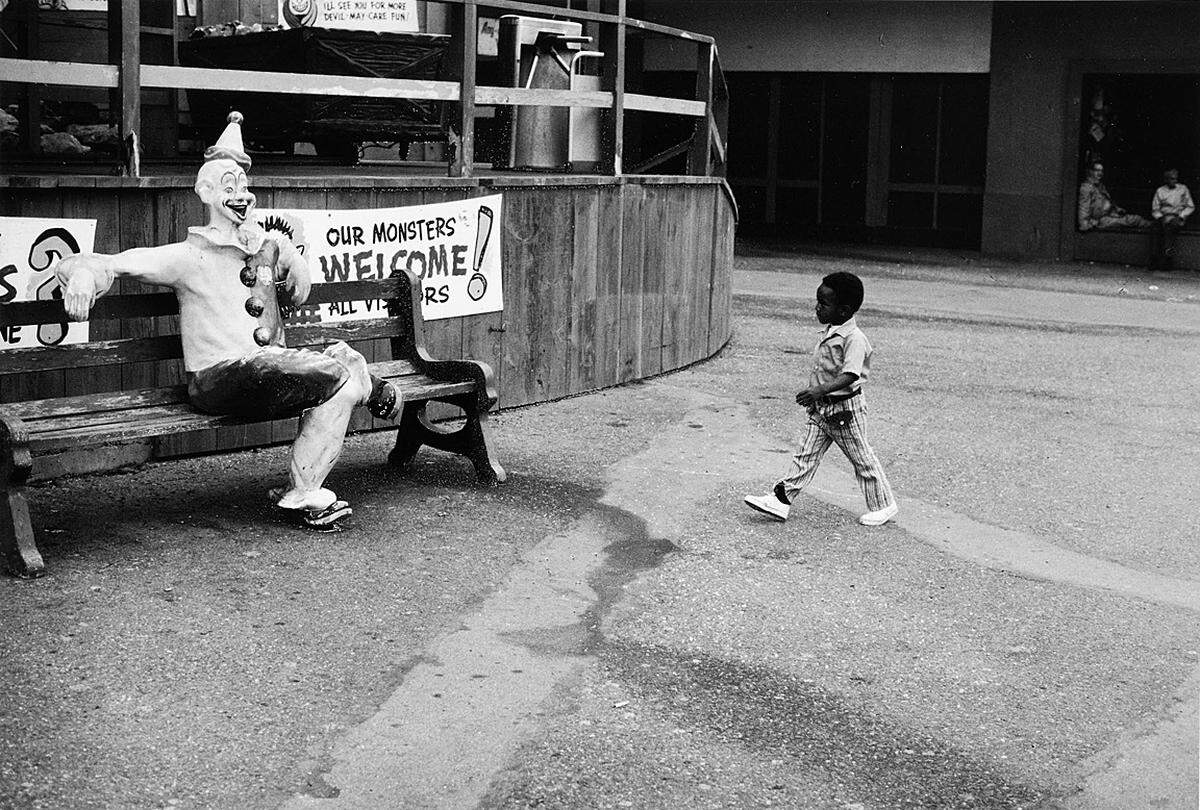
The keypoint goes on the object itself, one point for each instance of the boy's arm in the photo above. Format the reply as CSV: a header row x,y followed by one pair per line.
x,y
814,392
86,276
1156,205
854,357
1188,205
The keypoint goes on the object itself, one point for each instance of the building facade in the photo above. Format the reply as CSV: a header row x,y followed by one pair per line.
x,y
950,123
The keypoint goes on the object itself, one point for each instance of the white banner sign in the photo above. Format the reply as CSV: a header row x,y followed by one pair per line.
x,y
452,247
352,15
30,247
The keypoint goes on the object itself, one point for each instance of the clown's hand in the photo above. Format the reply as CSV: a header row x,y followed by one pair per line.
x,y
79,293
292,275
297,283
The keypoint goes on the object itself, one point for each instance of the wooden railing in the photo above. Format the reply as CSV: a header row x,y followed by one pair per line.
x,y
126,76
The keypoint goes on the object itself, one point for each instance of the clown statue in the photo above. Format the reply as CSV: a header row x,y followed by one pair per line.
x,y
226,275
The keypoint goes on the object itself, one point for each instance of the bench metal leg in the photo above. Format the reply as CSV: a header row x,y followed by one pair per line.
x,y
16,536
472,440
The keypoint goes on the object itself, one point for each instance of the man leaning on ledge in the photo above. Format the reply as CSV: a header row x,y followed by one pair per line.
x,y
1097,211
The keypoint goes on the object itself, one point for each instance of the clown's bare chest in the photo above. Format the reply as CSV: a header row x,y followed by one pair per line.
x,y
227,302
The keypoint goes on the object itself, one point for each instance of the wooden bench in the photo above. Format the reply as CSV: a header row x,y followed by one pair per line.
x,y
40,427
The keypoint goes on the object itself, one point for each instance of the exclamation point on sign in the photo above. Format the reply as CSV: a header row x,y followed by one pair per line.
x,y
477,283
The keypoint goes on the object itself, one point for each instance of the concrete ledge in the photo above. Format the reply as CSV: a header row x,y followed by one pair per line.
x,y
1133,247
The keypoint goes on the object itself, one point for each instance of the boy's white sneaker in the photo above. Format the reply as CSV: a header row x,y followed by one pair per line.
x,y
879,516
769,505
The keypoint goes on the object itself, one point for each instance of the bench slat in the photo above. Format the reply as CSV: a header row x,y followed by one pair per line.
x,y
304,335
95,403
330,291
106,308
174,404
124,400
169,347
90,355
109,421
128,431
149,305
80,429
175,420
392,368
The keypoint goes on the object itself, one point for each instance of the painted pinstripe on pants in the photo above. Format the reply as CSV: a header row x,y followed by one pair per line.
x,y
823,429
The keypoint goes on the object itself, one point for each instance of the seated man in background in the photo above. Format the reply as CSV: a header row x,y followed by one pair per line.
x,y
1171,207
1097,211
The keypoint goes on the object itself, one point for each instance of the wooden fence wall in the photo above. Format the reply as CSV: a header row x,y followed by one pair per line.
x,y
606,279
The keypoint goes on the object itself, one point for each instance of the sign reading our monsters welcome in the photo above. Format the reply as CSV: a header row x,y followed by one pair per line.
x,y
30,247
452,247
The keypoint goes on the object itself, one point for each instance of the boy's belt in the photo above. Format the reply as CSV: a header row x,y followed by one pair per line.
x,y
843,397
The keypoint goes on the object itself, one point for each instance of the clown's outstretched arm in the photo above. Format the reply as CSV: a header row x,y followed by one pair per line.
x,y
87,276
293,269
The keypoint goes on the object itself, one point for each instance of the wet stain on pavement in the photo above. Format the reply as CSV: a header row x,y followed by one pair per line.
x,y
777,715
624,559
629,550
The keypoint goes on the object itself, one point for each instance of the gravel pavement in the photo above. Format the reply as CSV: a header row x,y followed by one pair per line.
x,y
612,628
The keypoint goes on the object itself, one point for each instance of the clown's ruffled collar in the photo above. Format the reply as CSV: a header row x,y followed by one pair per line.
x,y
248,238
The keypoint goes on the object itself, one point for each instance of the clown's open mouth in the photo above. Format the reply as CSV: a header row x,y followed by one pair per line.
x,y
238,208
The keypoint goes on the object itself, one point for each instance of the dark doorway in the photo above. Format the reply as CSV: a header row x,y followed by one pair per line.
x,y
859,157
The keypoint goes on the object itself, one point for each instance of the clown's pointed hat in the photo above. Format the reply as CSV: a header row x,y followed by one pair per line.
x,y
229,145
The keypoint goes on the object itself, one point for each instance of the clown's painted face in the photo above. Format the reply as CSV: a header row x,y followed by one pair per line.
x,y
224,188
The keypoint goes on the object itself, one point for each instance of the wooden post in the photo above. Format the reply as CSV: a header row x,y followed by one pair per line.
x,y
464,25
26,14
612,122
124,50
700,155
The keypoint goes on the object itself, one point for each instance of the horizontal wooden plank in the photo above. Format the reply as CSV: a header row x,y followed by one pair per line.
x,y
668,31
169,347
330,291
149,305
319,178
108,307
89,403
413,384
319,84
665,104
308,84
316,334
393,368
90,355
76,422
42,71
521,96
145,421
185,421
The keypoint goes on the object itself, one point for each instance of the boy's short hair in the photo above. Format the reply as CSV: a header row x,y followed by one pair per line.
x,y
847,287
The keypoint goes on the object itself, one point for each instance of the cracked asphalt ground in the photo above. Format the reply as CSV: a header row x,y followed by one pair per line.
x,y
613,628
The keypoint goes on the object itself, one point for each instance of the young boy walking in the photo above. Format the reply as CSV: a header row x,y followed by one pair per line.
x,y
836,410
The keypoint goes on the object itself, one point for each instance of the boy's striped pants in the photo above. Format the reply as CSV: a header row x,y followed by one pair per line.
x,y
843,424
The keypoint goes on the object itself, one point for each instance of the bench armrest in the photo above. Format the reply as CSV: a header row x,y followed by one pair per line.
x,y
16,463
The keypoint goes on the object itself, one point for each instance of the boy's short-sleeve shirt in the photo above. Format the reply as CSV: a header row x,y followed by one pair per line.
x,y
842,348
